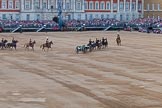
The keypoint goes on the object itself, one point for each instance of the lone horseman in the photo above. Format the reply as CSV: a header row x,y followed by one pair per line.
x,y
118,40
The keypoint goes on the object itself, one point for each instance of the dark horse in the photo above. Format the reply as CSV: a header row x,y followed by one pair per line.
x,y
12,45
47,45
118,41
27,45
3,44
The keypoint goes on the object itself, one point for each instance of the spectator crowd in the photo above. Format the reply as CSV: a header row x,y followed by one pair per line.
x,y
140,24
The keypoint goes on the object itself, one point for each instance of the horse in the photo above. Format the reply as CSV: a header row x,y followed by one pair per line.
x,y
118,41
104,43
12,45
3,44
47,45
27,45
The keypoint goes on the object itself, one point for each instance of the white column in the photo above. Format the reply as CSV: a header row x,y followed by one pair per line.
x,y
22,5
136,5
118,4
74,2
64,2
56,4
32,4
48,5
142,8
130,5
124,6
41,3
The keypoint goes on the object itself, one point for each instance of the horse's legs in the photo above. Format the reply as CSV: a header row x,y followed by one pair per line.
x,y
33,48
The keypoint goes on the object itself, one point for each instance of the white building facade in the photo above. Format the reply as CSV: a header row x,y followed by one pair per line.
x,y
71,9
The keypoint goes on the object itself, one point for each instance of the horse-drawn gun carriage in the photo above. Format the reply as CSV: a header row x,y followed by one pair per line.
x,y
83,48
92,45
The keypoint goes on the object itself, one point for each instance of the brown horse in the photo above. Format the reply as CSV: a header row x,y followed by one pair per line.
x,y
118,41
27,45
47,45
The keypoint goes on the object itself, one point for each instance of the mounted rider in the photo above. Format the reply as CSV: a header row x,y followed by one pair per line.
x,y
2,40
90,42
13,40
30,42
47,41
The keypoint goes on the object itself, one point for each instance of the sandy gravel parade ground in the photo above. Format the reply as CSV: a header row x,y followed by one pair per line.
x,y
127,76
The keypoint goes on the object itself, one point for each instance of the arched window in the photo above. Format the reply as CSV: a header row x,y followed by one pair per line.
x,y
96,5
91,5
102,5
127,6
85,5
121,6
108,5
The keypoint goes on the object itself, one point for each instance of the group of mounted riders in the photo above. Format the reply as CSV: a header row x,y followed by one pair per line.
x,y
97,44
13,44
4,44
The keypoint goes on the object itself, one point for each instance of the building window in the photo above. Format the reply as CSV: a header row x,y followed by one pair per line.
x,y
107,16
114,16
152,6
133,16
17,5
67,5
17,17
102,16
27,4
158,6
78,6
3,4
121,6
85,5
102,5
127,17
10,16
108,5
97,6
91,5
28,17
44,5
148,7
139,6
96,16
79,16
38,17
10,5
36,4
90,17
127,6
114,6
4,16
133,5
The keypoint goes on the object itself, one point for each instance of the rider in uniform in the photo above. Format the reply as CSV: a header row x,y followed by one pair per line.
x,y
13,40
2,40
90,42
30,41
47,41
